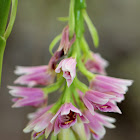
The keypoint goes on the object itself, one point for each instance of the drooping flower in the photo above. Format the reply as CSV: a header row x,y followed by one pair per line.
x,y
68,67
27,96
66,43
33,117
40,125
45,122
106,92
96,64
38,113
96,125
66,117
94,100
32,76
109,85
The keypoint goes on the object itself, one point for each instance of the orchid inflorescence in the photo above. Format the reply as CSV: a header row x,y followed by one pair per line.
x,y
75,116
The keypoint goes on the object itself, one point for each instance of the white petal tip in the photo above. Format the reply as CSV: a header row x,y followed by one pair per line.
x,y
10,87
26,130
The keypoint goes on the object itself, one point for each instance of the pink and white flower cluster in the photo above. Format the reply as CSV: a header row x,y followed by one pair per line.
x,y
102,95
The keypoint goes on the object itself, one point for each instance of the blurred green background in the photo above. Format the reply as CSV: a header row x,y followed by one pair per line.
x,y
118,24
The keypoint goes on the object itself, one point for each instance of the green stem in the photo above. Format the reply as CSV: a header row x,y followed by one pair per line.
x,y
56,106
12,18
81,86
83,70
2,48
67,95
71,18
53,87
4,12
78,100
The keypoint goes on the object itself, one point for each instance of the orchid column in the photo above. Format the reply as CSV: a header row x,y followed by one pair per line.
x,y
74,116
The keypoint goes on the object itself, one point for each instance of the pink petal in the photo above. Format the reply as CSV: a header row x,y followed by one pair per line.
x,y
114,80
56,127
89,105
27,70
95,99
43,123
48,130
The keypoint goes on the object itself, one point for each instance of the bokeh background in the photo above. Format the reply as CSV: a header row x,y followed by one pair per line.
x,y
118,24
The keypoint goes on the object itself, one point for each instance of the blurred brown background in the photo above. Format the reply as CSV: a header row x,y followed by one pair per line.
x,y
118,24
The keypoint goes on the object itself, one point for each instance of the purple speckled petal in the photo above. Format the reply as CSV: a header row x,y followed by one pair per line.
x,y
109,107
36,135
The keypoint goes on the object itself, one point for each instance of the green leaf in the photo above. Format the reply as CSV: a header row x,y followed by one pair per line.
x,y
92,29
53,43
4,12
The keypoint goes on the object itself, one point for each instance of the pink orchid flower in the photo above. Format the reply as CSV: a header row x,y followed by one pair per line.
x,y
27,96
96,125
32,76
34,119
94,100
40,125
68,67
97,64
66,117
